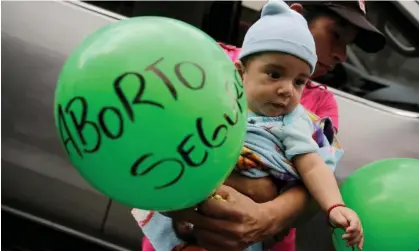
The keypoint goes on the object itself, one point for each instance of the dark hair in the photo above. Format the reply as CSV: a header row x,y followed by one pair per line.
x,y
312,13
247,59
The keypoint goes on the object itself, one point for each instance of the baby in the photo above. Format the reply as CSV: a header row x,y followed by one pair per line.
x,y
283,143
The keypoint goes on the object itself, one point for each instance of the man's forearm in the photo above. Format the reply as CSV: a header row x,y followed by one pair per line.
x,y
292,207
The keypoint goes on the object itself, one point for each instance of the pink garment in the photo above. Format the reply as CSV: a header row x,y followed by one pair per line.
x,y
146,245
288,243
317,99
320,101
232,51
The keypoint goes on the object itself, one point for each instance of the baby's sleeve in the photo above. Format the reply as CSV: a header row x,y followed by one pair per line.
x,y
296,136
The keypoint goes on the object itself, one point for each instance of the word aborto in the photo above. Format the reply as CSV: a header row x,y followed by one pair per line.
x,y
74,114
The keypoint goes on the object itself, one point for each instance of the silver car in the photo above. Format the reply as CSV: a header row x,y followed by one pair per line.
x,y
378,97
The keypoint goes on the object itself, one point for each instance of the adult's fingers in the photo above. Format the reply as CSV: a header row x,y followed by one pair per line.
x,y
225,191
232,208
199,220
220,209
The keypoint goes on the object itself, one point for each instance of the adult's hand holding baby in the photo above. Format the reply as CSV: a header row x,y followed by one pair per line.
x,y
234,223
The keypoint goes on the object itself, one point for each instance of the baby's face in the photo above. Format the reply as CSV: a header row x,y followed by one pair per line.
x,y
274,83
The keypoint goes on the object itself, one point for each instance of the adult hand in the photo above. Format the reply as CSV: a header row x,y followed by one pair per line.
x,y
234,224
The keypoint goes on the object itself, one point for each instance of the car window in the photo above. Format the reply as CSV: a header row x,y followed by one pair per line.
x,y
398,62
219,19
388,77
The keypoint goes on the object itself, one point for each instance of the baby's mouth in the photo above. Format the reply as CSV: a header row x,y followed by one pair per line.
x,y
279,105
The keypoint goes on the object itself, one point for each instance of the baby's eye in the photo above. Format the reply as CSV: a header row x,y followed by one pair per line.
x,y
273,75
300,82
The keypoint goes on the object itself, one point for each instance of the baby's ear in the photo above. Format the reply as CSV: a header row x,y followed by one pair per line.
x,y
240,68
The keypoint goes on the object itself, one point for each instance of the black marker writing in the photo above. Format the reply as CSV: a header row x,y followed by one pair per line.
x,y
99,127
186,153
139,161
105,127
138,97
238,79
160,74
180,76
82,124
235,103
216,132
68,138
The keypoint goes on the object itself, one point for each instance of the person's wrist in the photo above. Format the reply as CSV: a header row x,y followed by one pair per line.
x,y
272,223
330,208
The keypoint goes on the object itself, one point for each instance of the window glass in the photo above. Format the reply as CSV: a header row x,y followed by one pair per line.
x,y
396,63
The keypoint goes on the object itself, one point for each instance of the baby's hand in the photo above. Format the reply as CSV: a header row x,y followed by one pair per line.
x,y
349,221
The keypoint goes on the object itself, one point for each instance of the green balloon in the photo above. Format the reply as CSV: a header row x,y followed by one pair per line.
x,y
152,113
385,194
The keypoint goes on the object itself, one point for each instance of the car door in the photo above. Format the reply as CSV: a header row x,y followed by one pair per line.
x,y
218,19
37,178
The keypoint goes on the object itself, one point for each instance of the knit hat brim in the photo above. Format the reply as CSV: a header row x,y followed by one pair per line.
x,y
287,47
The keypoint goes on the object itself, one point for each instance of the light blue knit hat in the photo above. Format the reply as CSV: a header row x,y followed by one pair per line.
x,y
280,29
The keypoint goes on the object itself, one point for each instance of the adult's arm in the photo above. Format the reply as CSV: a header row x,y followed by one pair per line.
x,y
291,209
